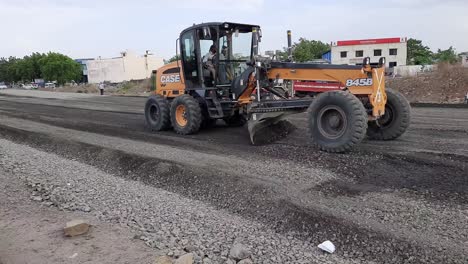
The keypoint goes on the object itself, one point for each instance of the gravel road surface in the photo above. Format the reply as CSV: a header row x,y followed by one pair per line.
x,y
403,201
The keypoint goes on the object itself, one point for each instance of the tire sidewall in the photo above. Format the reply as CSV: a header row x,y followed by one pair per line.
x,y
162,107
351,133
392,100
401,118
192,111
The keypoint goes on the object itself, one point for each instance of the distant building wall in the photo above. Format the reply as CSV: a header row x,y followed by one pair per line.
x,y
128,67
84,67
412,70
353,52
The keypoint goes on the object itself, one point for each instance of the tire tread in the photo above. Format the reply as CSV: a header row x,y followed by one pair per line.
x,y
394,132
164,110
359,116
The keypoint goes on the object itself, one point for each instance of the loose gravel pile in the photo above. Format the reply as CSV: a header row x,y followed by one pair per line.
x,y
162,219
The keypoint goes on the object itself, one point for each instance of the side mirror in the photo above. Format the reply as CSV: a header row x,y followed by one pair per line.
x,y
366,61
259,35
382,62
206,33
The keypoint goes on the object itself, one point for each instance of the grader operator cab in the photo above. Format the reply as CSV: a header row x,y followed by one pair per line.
x,y
221,76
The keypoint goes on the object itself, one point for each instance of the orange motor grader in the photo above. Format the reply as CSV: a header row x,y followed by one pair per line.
x,y
221,76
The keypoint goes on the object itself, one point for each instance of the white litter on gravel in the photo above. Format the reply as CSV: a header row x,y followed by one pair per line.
x,y
327,246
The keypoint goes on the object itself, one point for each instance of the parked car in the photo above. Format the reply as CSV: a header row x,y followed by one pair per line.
x,y
27,86
3,86
49,85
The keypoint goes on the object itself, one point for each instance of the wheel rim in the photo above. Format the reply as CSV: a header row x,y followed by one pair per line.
x,y
181,116
154,113
387,118
332,122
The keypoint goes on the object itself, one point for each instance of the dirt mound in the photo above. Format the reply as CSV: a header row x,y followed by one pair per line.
x,y
87,88
132,87
448,84
140,87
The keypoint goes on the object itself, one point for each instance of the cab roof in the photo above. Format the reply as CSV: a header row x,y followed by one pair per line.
x,y
218,24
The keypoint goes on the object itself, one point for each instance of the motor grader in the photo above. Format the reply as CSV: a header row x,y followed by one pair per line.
x,y
238,85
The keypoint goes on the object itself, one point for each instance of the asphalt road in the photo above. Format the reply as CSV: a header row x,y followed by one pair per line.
x,y
402,201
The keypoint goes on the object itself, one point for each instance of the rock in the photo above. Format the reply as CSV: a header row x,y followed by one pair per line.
x,y
190,249
36,198
178,253
239,252
163,260
230,261
76,228
185,259
245,261
207,261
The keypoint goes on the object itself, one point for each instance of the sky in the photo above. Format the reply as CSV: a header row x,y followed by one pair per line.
x,y
92,28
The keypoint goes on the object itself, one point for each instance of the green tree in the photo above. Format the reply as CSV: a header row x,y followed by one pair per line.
x,y
418,54
306,50
60,68
25,69
35,64
3,69
449,55
174,58
12,70
282,55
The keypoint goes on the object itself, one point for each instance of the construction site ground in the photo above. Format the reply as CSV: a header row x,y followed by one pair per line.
x,y
68,155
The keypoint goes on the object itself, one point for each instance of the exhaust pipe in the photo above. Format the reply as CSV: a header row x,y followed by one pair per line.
x,y
289,46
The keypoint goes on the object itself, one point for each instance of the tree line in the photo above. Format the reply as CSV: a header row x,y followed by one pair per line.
x,y
50,66
420,54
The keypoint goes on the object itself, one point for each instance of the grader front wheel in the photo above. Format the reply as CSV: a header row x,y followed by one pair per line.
x,y
337,121
395,121
186,116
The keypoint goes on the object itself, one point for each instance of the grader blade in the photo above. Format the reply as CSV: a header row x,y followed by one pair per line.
x,y
265,128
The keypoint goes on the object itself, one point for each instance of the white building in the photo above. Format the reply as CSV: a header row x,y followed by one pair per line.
x,y
128,67
353,52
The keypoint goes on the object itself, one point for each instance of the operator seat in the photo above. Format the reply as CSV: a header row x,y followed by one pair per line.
x,y
240,83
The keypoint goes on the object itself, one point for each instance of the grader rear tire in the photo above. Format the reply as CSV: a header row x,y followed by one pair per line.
x,y
157,113
395,121
186,115
337,121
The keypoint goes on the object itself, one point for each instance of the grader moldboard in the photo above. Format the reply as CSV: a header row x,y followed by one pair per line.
x,y
238,86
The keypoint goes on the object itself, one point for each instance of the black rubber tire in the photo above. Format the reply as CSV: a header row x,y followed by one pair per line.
x,y
350,115
396,124
237,120
157,113
193,115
